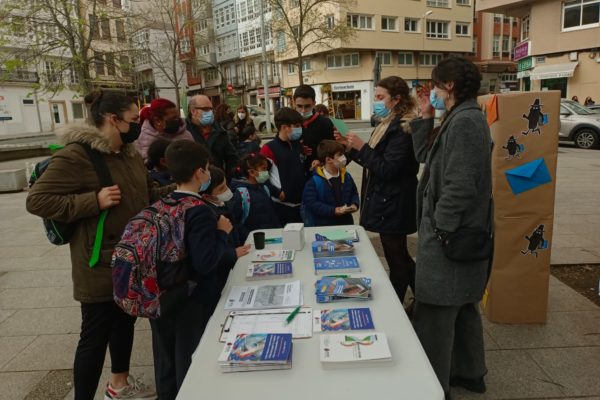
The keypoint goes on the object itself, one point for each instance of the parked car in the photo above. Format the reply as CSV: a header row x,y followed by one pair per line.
x,y
595,108
259,115
579,124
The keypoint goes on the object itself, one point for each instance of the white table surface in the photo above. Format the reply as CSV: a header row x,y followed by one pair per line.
x,y
409,376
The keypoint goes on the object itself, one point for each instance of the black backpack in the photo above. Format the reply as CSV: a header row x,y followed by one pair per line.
x,y
60,233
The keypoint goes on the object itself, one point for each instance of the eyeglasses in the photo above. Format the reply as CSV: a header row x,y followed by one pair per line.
x,y
203,108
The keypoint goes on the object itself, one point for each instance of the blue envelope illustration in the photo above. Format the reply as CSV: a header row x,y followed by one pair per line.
x,y
528,176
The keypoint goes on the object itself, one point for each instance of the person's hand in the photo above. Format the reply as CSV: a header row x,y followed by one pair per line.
x,y
282,196
224,224
243,250
354,141
315,164
427,110
352,208
340,139
109,196
340,210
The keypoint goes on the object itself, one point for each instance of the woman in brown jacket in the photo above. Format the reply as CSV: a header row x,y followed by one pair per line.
x,y
70,191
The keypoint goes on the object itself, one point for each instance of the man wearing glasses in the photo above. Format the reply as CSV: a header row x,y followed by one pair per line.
x,y
201,123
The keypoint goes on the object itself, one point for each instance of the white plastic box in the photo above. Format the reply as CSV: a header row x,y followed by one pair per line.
x,y
293,236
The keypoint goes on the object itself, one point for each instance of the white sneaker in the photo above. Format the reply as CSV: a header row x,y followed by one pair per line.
x,y
135,390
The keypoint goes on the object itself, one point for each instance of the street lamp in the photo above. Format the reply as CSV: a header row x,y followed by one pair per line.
x,y
423,17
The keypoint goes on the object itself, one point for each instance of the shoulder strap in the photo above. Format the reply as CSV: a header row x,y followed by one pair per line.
x,y
319,185
245,195
99,164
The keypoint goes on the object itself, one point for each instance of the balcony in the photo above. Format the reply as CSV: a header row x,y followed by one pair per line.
x,y
19,75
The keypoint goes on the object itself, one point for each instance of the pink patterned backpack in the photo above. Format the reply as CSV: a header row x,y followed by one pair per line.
x,y
150,259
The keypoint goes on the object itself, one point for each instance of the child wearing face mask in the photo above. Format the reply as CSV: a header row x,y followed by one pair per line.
x,y
252,204
289,171
219,197
330,196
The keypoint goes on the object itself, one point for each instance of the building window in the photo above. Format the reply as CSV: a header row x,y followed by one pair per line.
x,y
201,25
125,66
105,24
120,30
291,69
385,58
343,60
280,41
474,50
525,28
99,61
330,21
51,75
185,45
77,109
389,24
73,77
251,71
405,59
411,25
306,65
505,41
462,29
363,22
94,26
438,3
116,3
430,59
496,46
437,30
580,13
463,2
110,64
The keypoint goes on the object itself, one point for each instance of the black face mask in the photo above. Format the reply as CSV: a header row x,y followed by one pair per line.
x,y
172,126
132,134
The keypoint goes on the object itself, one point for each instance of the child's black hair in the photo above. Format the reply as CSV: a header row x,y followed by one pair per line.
x,y
156,151
329,148
251,161
287,116
248,131
217,177
184,157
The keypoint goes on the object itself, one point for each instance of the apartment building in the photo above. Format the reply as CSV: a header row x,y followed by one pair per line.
x,y
560,44
409,36
495,37
228,50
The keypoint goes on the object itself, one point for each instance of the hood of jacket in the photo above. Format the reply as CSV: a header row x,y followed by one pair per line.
x,y
319,171
81,132
148,129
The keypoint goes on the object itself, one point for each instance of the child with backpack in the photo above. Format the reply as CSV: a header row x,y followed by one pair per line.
x,y
253,206
220,198
289,171
181,281
330,196
249,142
157,162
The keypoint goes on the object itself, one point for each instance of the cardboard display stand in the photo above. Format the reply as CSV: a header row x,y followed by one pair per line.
x,y
524,129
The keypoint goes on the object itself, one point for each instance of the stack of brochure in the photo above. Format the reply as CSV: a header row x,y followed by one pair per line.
x,y
332,248
340,288
261,256
257,352
342,319
269,270
329,265
359,349
338,234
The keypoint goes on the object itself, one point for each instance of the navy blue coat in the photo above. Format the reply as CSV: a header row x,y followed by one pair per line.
x,y
389,185
321,204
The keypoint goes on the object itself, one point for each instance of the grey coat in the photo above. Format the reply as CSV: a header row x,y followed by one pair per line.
x,y
454,192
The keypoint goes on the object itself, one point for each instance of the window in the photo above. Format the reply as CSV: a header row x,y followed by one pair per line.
x,y
291,69
275,70
474,50
73,77
437,30
51,75
280,41
496,46
94,27
580,13
77,109
389,23
120,30
329,21
125,66
505,41
411,25
405,59
18,25
430,59
204,49
201,25
105,24
116,3
99,61
462,29
356,21
463,2
184,45
525,28
251,71
343,60
306,65
438,3
385,57
110,64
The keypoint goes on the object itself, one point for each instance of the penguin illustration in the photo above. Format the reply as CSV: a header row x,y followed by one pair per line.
x,y
514,149
536,241
534,117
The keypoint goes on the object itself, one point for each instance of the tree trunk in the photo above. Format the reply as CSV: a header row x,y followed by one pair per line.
x,y
300,73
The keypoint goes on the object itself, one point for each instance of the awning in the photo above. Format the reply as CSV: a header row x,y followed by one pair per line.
x,y
565,70
523,74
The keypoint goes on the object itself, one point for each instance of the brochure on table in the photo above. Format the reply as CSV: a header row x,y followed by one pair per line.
x,y
282,295
268,321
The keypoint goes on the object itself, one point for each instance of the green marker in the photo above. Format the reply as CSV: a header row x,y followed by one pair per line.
x,y
292,315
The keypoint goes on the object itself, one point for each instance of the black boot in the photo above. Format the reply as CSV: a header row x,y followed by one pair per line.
x,y
476,385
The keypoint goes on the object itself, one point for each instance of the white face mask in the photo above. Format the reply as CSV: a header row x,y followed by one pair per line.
x,y
340,162
242,115
225,196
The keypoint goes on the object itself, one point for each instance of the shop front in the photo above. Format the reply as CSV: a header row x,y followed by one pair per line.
x,y
274,97
352,100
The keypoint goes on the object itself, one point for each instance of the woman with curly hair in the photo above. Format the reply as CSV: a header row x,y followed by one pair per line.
x,y
454,194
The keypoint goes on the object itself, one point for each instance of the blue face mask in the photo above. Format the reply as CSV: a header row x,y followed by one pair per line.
x,y
436,101
380,109
296,134
206,184
207,118
307,114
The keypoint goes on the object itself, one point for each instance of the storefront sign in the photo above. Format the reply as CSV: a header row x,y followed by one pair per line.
x,y
343,87
5,114
525,64
273,91
522,50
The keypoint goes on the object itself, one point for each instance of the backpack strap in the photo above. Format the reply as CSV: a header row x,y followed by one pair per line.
x,y
319,186
245,195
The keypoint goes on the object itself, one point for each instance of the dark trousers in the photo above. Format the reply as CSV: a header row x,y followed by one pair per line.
x,y
402,266
287,214
175,337
452,337
102,324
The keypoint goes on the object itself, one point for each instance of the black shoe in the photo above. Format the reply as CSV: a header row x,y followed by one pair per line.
x,y
476,385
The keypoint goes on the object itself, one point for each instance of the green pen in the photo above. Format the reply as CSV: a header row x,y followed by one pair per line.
x,y
292,315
